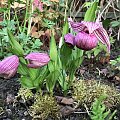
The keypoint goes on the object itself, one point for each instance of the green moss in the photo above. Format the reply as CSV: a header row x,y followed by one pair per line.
x,y
44,107
85,92
25,94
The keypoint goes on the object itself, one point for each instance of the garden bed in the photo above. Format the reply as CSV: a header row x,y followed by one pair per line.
x,y
12,108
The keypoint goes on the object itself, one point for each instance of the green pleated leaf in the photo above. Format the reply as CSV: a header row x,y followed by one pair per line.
x,y
66,52
33,73
51,80
15,46
53,49
22,69
65,28
26,82
90,14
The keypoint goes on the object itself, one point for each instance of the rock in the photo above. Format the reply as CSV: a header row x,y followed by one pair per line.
x,y
26,113
66,110
10,98
67,101
9,112
64,100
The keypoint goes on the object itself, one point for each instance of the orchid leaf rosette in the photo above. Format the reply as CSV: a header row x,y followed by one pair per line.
x,y
84,36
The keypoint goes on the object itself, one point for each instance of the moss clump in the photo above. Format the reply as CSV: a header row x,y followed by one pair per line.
x,y
44,107
85,92
25,94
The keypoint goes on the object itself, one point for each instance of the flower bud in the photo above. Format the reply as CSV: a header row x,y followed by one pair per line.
x,y
37,60
8,66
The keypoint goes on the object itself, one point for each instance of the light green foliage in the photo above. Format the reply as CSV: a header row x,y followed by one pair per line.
x,y
15,48
116,63
44,106
97,50
99,111
28,43
115,23
92,9
48,23
52,65
85,92
25,94
4,39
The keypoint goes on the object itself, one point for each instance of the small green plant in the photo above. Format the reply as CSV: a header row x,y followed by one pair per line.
x,y
86,91
115,23
99,111
4,39
44,107
116,63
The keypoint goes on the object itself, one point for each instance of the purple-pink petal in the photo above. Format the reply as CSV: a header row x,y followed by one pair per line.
x,y
76,26
38,4
8,66
102,35
70,39
91,26
85,41
37,60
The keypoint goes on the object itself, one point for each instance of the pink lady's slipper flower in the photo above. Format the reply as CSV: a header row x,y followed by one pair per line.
x,y
8,66
37,60
88,34
38,4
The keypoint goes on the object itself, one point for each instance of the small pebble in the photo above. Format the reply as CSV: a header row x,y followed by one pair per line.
x,y
10,98
26,113
9,111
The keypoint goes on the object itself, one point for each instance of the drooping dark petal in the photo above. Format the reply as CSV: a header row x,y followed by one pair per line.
x,y
102,35
70,39
85,41
8,66
76,26
37,60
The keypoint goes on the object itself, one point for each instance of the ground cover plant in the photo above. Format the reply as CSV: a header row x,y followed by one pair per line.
x,y
44,47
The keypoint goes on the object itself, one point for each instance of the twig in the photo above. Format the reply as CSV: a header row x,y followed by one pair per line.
x,y
99,17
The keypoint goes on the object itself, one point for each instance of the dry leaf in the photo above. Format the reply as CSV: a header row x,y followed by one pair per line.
x,y
117,78
18,5
105,59
37,34
66,110
34,29
67,101
54,0
104,71
64,100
